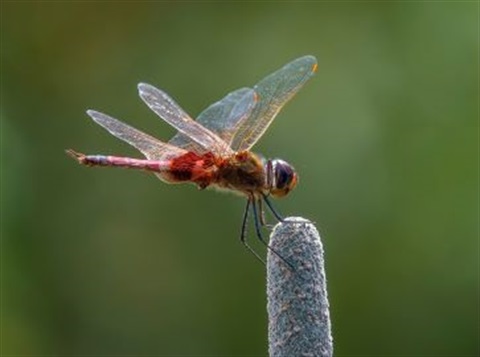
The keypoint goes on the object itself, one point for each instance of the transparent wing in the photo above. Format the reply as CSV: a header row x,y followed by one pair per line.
x,y
223,118
273,92
166,108
152,148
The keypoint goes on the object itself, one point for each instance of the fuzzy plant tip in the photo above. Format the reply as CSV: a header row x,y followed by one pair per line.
x,y
297,302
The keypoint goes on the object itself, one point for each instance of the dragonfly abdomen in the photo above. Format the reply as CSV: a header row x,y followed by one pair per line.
x,y
126,162
192,167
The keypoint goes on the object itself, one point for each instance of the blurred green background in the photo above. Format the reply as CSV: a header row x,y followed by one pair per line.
x,y
384,137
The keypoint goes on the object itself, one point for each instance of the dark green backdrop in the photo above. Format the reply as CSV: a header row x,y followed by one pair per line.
x,y
384,137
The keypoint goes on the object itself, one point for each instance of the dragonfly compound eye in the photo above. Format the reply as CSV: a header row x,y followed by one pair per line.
x,y
284,178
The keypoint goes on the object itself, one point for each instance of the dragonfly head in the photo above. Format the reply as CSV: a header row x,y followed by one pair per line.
x,y
281,177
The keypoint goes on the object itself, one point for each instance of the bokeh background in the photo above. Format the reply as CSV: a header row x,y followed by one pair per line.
x,y
384,137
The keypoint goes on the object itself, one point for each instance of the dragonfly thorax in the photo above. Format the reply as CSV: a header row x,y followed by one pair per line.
x,y
242,172
280,176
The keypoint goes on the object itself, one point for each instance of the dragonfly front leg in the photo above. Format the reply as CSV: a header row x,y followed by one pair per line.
x,y
261,213
272,209
257,219
118,161
243,233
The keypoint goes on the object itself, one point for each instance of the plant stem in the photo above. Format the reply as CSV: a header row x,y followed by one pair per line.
x,y
298,309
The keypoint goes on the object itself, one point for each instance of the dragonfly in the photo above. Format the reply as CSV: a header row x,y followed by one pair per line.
x,y
214,150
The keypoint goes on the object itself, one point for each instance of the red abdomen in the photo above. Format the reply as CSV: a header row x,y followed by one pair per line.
x,y
200,169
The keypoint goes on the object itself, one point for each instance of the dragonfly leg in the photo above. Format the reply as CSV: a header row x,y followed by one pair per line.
x,y
260,237
243,232
263,221
272,209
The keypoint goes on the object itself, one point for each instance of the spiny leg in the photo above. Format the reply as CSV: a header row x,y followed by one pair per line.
x,y
257,221
272,209
259,234
243,232
263,221
277,216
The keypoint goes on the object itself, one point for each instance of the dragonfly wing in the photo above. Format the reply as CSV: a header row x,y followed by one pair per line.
x,y
152,148
166,108
223,118
273,92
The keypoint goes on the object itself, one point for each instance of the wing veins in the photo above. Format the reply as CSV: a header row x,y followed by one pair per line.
x,y
150,147
167,109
